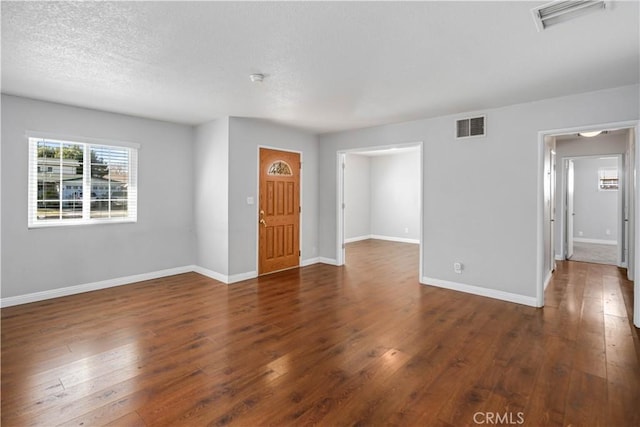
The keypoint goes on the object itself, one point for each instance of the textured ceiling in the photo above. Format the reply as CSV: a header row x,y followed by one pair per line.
x,y
329,65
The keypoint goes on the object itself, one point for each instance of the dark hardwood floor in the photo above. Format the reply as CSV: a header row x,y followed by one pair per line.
x,y
361,345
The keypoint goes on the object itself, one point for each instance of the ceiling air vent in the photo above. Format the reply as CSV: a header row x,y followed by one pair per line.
x,y
474,126
561,11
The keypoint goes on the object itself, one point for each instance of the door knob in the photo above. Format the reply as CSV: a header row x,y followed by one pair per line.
x,y
263,222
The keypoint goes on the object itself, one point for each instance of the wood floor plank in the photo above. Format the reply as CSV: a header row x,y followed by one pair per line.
x,y
132,419
363,344
548,400
586,400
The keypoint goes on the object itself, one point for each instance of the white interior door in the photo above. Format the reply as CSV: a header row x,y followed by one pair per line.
x,y
569,210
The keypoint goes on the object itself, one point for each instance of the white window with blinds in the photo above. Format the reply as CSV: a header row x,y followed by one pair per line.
x,y
72,182
608,179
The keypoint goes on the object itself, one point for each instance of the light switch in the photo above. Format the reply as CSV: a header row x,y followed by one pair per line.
x,y
249,200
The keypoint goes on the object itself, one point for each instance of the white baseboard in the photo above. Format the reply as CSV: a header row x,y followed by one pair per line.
x,y
234,278
357,239
395,239
211,274
309,261
226,279
94,286
477,290
329,261
120,281
597,241
559,258
381,237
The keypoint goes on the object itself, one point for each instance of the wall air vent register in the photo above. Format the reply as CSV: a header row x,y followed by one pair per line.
x,y
474,126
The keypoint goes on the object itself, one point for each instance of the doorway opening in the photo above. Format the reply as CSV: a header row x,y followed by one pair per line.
x,y
380,201
593,196
559,150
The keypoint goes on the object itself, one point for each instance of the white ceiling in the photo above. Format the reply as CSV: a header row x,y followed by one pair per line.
x,y
329,65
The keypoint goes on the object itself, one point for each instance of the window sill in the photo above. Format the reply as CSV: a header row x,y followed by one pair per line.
x,y
79,223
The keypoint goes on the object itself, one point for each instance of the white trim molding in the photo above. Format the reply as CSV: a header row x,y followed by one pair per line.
x,y
94,286
477,290
596,241
211,274
127,280
309,261
357,239
224,278
381,237
395,239
235,278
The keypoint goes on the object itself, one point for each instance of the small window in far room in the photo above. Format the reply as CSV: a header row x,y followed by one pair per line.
x,y
608,179
73,183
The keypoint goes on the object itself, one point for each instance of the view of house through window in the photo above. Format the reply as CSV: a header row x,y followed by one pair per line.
x,y
73,182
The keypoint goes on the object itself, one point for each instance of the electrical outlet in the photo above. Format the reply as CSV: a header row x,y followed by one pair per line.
x,y
406,230
580,233
457,267
608,232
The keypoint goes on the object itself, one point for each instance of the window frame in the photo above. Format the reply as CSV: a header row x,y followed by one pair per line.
x,y
602,176
33,138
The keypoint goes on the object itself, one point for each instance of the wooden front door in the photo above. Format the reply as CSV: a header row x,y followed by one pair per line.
x,y
279,211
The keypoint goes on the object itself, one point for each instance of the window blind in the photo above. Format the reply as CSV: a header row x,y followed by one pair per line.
x,y
81,183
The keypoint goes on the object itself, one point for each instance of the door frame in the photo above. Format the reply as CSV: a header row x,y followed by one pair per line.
x,y
340,156
634,220
568,225
553,208
257,202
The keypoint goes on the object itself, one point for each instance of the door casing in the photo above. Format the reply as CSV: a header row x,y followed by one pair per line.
x,y
633,220
340,202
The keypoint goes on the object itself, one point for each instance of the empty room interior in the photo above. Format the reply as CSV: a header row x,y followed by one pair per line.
x,y
320,213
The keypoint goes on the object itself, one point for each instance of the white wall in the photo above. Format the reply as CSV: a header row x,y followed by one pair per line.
x,y
596,212
395,195
45,259
357,195
211,194
601,145
226,176
245,136
485,213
